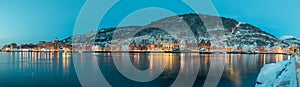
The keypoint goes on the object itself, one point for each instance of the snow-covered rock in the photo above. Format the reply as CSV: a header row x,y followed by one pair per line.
x,y
281,74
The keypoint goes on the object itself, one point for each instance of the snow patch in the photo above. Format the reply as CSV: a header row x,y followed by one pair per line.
x,y
281,74
287,37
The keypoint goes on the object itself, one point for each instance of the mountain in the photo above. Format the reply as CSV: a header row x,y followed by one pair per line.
x,y
290,40
243,35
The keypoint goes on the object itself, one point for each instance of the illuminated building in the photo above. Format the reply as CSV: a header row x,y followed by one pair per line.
x,y
205,45
56,44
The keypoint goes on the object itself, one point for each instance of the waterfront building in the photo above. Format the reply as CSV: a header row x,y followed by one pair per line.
x,y
56,47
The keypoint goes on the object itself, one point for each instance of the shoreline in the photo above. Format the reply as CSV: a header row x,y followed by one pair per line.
x,y
158,52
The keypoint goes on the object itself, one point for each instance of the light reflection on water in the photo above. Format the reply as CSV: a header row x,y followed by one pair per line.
x,y
57,69
38,69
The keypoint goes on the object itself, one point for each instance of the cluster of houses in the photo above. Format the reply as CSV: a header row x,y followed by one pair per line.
x,y
146,45
169,44
56,45
295,48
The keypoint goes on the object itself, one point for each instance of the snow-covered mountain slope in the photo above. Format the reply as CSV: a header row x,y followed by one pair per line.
x,y
190,25
290,40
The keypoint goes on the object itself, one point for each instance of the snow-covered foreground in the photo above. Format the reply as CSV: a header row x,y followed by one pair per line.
x,y
298,69
281,74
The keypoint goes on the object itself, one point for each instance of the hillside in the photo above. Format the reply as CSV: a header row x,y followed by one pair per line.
x,y
177,27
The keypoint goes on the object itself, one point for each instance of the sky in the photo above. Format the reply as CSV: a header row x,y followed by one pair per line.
x,y
30,21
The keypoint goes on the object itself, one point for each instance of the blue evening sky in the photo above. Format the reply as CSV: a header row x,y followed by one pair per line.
x,y
30,21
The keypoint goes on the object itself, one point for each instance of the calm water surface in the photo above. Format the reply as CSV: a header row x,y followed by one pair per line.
x,y
42,69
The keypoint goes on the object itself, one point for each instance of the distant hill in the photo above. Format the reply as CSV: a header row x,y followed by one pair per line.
x,y
246,34
290,40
